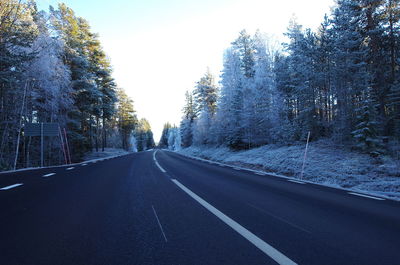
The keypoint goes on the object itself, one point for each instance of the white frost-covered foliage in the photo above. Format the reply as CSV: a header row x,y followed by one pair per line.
x,y
205,106
259,109
319,82
326,164
174,139
230,104
132,144
201,130
247,107
50,77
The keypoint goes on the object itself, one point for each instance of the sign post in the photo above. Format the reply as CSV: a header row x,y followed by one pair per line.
x,y
62,145
66,142
41,129
41,144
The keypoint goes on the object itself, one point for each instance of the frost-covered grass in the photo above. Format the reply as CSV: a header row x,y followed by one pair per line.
x,y
108,152
326,164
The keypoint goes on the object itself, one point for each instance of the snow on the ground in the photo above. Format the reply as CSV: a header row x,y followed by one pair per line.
x,y
326,164
108,152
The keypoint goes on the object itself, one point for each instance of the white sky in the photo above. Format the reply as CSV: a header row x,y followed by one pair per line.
x,y
160,49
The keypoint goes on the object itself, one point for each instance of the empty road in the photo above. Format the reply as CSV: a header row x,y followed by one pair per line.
x,y
158,207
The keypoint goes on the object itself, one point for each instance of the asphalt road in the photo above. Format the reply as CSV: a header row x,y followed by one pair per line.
x,y
163,208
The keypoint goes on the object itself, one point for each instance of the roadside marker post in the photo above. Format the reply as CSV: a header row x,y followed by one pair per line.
x,y
305,156
62,145
66,143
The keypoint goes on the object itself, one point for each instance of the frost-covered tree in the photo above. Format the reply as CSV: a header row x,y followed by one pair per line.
x,y
94,88
53,69
205,102
350,69
201,128
50,95
205,94
230,105
174,139
243,47
188,119
365,133
144,135
163,143
126,118
18,31
260,94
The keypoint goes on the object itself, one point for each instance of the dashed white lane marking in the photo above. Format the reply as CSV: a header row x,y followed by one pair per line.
x,y
255,240
159,224
12,186
296,181
84,165
259,173
236,168
366,196
70,168
158,165
48,175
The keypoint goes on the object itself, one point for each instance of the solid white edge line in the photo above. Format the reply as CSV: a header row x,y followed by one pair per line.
x,y
158,165
384,197
48,175
159,224
12,186
252,238
366,196
296,181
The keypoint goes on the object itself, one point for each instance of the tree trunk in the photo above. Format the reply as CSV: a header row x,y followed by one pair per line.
x,y
104,139
97,134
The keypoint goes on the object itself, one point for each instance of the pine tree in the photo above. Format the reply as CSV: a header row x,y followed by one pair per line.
x,y
144,135
243,46
163,143
350,73
391,43
189,116
205,94
174,139
126,118
230,130
365,132
325,96
94,88
17,33
259,99
300,90
205,102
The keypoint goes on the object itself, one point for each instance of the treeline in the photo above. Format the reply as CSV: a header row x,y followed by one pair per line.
x,y
143,136
170,137
340,82
53,69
